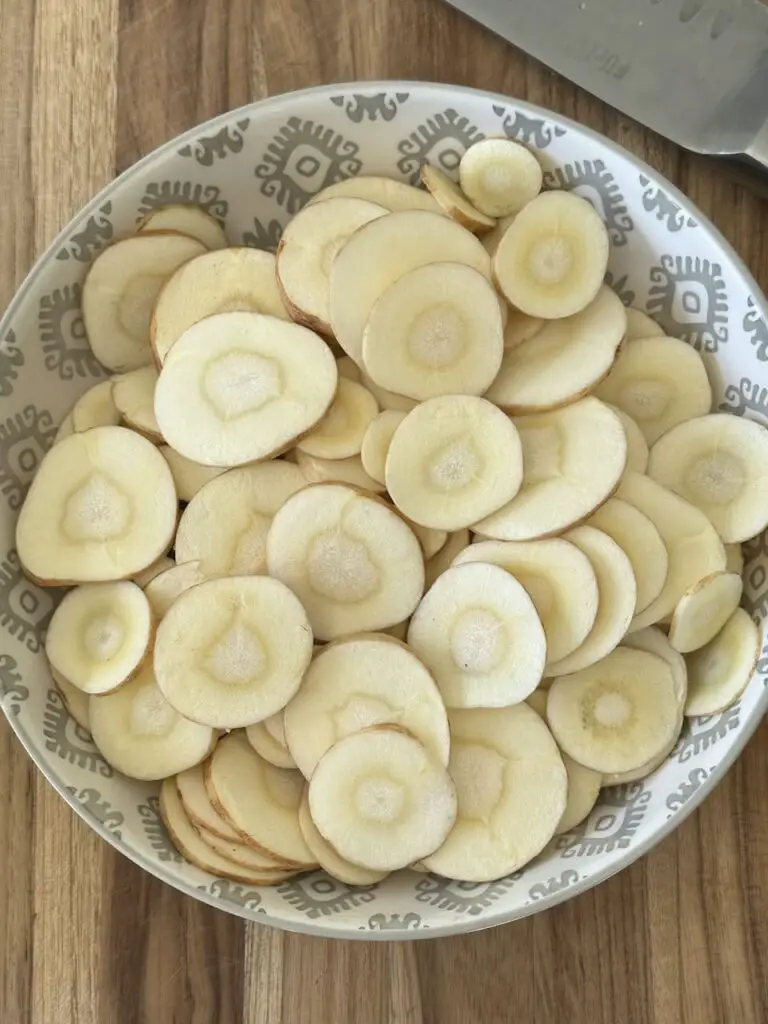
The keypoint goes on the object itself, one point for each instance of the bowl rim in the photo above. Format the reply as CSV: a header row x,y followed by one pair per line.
x,y
457,926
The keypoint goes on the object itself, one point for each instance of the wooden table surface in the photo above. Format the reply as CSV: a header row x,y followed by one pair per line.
x,y
86,88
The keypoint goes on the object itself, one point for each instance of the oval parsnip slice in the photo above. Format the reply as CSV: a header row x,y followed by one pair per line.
x,y
438,563
76,703
637,536
340,433
453,202
198,808
637,447
640,325
703,610
376,441
396,196
95,408
341,471
267,746
720,672
499,176
188,476
134,397
327,857
583,791
163,590
188,220
387,399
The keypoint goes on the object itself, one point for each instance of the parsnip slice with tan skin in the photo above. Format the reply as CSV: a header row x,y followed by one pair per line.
x,y
380,800
564,360
307,250
239,279
339,434
703,610
659,382
327,857
350,559
134,397
719,673
720,464
640,325
141,735
163,590
637,536
341,471
492,239
230,652
120,291
239,387
95,408
453,202
573,459
436,331
431,541
364,681
500,176
188,476
376,441
437,564
395,196
266,746
452,461
552,259
225,525
616,714
387,399
147,575
88,516
198,807
520,328
637,447
189,220
512,790
74,700
478,632
247,856
583,792
382,251
560,580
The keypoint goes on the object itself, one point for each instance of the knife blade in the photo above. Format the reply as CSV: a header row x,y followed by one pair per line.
x,y
695,71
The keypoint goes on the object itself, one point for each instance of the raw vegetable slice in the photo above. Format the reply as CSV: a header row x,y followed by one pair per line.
x,y
640,325
583,791
452,461
394,195
188,476
520,328
703,610
120,291
267,746
500,176
640,540
247,856
437,564
199,809
133,394
719,672
431,541
492,239
343,471
66,427
637,447
147,575
453,202
95,408
376,441
512,790
74,700
350,559
339,434
734,558
327,857
163,590
101,507
478,632
239,387
387,399
231,652
188,220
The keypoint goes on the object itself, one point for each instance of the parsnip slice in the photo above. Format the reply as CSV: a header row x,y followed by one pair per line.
x,y
95,408
452,461
341,471
395,196
640,325
453,202
438,563
520,328
478,632
703,610
188,220
382,251
141,735
238,279
75,701
492,239
436,331
339,434
719,672
163,590
66,427
637,447
583,790
573,459
552,259
431,540
350,559
247,856
225,525
734,558
659,382
120,291
239,387
364,681
101,507
640,540
307,250
381,800
387,399
134,396
499,176
268,747
199,809
188,476
376,441
147,575
512,790
327,857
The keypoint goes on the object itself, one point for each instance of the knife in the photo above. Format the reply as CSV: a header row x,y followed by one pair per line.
x,y
696,71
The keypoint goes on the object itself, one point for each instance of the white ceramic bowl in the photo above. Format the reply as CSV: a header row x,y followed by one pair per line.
x,y
253,168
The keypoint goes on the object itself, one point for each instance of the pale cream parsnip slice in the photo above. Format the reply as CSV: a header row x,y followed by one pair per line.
x,y
188,476
340,433
163,590
499,176
583,791
703,610
640,325
74,700
327,857
95,408
438,563
641,541
341,471
268,747
454,202
376,441
133,394
395,196
719,673
188,220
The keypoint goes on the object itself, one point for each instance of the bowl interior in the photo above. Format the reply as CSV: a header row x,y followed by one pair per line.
x,y
253,169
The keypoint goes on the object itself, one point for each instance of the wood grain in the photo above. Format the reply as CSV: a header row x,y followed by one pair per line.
x,y
87,87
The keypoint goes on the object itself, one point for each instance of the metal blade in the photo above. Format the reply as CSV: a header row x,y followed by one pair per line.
x,y
695,71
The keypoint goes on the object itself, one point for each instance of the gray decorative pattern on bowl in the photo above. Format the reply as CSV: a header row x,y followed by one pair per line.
x,y
252,169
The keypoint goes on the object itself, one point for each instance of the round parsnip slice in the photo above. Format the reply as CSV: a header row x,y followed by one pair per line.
x,y
95,408
339,434
573,459
239,387
188,476
583,790
376,441
637,447
247,856
268,747
147,575
380,799
478,632
163,590
349,558
436,331
231,652
225,525
640,325
120,291
719,673
616,605
66,427
618,713
431,541
327,857
564,360
239,279
188,220
552,259
395,196
703,610
637,536
500,176
259,800
453,202
307,251
560,580
693,546
520,328
452,461
492,239
199,809
101,507
141,735
438,563
382,251
75,701
734,558
364,681
659,382
100,634
720,464
341,471
134,397
512,789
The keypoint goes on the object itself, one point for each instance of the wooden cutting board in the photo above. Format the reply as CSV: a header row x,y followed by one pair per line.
x,y
86,88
